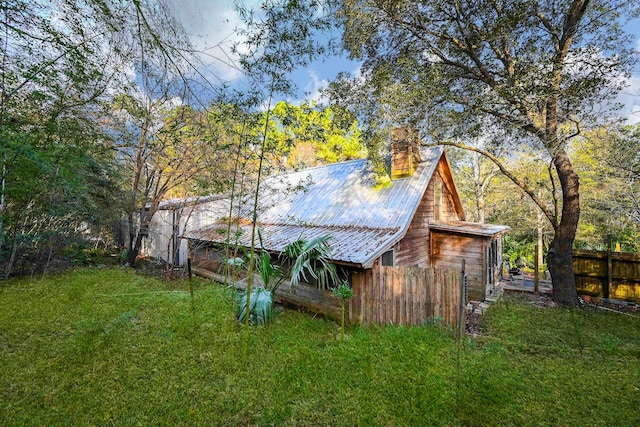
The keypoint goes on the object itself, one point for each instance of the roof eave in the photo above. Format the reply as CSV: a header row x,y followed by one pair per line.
x,y
496,229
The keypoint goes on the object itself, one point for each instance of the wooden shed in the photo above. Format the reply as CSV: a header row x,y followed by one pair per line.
x,y
416,221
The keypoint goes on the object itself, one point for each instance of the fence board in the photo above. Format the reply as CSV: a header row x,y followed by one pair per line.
x,y
407,295
592,274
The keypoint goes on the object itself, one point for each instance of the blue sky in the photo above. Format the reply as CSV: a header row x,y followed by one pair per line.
x,y
213,23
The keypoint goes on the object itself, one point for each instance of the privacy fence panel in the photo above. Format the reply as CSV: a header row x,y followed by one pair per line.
x,y
405,296
607,274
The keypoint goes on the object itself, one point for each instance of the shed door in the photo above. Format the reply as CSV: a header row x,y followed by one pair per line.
x,y
492,266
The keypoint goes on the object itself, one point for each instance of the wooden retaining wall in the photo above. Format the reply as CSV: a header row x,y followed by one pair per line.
x,y
607,274
405,296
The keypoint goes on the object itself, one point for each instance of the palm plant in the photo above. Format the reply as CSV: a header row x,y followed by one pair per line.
x,y
303,260
261,306
311,258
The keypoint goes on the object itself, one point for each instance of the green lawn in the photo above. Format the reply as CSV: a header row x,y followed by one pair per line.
x,y
110,347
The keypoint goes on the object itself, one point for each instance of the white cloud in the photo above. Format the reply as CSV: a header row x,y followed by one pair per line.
x,y
213,26
630,98
314,87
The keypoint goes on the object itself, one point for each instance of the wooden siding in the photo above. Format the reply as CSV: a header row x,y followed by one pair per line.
x,y
593,273
448,209
449,249
414,248
405,296
452,206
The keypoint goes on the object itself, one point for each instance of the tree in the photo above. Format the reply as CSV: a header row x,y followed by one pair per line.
x,y
609,164
537,72
62,63
475,175
162,148
57,63
307,135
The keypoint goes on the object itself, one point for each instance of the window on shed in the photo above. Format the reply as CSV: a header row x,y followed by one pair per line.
x,y
494,252
387,259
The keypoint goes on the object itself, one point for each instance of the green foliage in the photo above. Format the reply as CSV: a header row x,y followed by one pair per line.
x,y
609,166
266,269
62,63
312,260
300,258
518,251
506,72
261,306
58,183
343,293
307,134
107,346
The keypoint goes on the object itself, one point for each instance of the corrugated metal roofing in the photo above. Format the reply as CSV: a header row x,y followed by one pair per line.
x,y
340,200
349,245
345,195
472,228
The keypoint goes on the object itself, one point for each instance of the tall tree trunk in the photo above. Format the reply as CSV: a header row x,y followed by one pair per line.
x,y
480,205
479,188
143,230
131,225
8,269
560,256
135,250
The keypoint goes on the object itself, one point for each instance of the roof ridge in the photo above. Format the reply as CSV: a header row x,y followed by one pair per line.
x,y
341,227
291,171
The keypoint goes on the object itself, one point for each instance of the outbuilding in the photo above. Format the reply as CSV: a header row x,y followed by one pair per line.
x,y
415,220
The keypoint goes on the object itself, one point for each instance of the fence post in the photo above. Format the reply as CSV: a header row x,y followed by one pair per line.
x,y
461,304
536,274
607,284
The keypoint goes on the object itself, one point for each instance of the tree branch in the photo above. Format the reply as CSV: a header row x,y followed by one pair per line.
x,y
521,183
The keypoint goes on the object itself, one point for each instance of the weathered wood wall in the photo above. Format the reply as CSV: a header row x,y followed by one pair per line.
x,y
414,248
609,275
302,295
405,296
448,251
396,295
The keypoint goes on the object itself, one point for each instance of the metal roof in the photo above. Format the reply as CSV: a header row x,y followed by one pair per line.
x,y
341,200
178,203
472,228
348,245
344,195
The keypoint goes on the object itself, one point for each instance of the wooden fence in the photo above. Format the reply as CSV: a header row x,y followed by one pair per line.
x,y
607,274
383,295
405,296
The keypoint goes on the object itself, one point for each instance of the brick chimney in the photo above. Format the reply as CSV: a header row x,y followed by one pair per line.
x,y
405,152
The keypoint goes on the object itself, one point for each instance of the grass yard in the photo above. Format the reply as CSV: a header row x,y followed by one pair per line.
x,y
110,347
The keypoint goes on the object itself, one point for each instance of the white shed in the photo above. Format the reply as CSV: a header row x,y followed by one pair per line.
x,y
174,218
